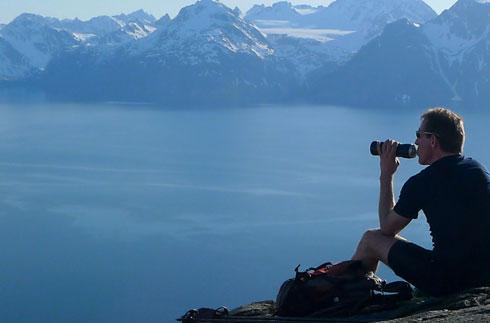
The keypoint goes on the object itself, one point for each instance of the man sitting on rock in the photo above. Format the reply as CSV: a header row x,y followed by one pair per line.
x,y
454,193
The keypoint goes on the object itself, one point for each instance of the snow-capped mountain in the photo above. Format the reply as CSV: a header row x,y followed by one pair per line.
x,y
368,14
207,51
294,38
460,39
341,14
343,27
127,33
444,62
202,31
95,26
30,41
33,38
458,30
394,69
139,16
107,30
281,13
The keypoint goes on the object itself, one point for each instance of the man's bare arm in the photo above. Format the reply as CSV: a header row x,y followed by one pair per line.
x,y
390,223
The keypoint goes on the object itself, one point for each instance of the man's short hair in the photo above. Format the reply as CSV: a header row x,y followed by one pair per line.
x,y
448,128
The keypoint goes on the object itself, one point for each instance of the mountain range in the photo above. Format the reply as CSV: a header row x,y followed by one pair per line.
x,y
442,62
370,53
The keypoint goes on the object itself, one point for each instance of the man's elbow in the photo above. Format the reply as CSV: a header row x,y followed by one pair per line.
x,y
389,232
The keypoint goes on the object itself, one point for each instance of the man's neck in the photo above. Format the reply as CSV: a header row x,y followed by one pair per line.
x,y
440,155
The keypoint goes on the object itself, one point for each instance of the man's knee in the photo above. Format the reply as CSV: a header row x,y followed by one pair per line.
x,y
370,236
376,244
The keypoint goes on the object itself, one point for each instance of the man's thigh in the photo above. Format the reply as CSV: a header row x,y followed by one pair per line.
x,y
417,266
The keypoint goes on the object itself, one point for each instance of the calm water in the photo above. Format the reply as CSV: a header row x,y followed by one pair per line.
x,y
135,214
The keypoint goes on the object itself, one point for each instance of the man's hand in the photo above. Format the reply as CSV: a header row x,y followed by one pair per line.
x,y
388,160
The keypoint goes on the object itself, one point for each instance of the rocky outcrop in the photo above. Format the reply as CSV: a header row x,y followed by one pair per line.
x,y
469,306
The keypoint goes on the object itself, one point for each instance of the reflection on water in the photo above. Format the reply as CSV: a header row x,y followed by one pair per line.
x,y
131,214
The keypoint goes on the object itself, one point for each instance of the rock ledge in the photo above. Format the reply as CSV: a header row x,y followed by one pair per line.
x,y
469,306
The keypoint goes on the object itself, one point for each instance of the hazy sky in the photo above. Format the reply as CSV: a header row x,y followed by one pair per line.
x,y
9,9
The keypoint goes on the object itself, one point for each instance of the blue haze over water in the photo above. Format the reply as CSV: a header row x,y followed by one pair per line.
x,y
135,214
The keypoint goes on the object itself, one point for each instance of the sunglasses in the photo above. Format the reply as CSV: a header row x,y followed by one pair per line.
x,y
419,133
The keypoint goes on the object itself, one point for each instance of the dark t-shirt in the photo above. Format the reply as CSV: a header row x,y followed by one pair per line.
x,y
454,193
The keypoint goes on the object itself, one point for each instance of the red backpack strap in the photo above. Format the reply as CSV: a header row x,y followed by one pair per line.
x,y
348,267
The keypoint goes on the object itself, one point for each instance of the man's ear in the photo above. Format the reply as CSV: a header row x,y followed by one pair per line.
x,y
434,142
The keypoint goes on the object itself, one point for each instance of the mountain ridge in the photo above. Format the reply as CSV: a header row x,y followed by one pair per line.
x,y
218,55
451,63
207,52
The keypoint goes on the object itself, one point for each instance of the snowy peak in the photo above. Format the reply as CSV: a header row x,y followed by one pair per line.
x,y
207,28
278,11
34,37
459,29
133,26
466,18
30,41
129,32
137,16
137,24
282,14
111,31
468,10
202,15
341,29
343,14
358,14
446,60
98,25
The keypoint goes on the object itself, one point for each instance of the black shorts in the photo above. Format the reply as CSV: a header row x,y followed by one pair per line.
x,y
417,266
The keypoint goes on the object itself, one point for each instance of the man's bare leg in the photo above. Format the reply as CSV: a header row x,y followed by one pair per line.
x,y
374,247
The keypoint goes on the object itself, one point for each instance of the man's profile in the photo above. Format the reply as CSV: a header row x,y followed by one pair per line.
x,y
453,192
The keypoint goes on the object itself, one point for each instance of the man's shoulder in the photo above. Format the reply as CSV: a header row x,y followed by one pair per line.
x,y
470,166
473,163
475,173
455,163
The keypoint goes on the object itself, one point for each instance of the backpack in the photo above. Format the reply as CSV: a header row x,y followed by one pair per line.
x,y
336,290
